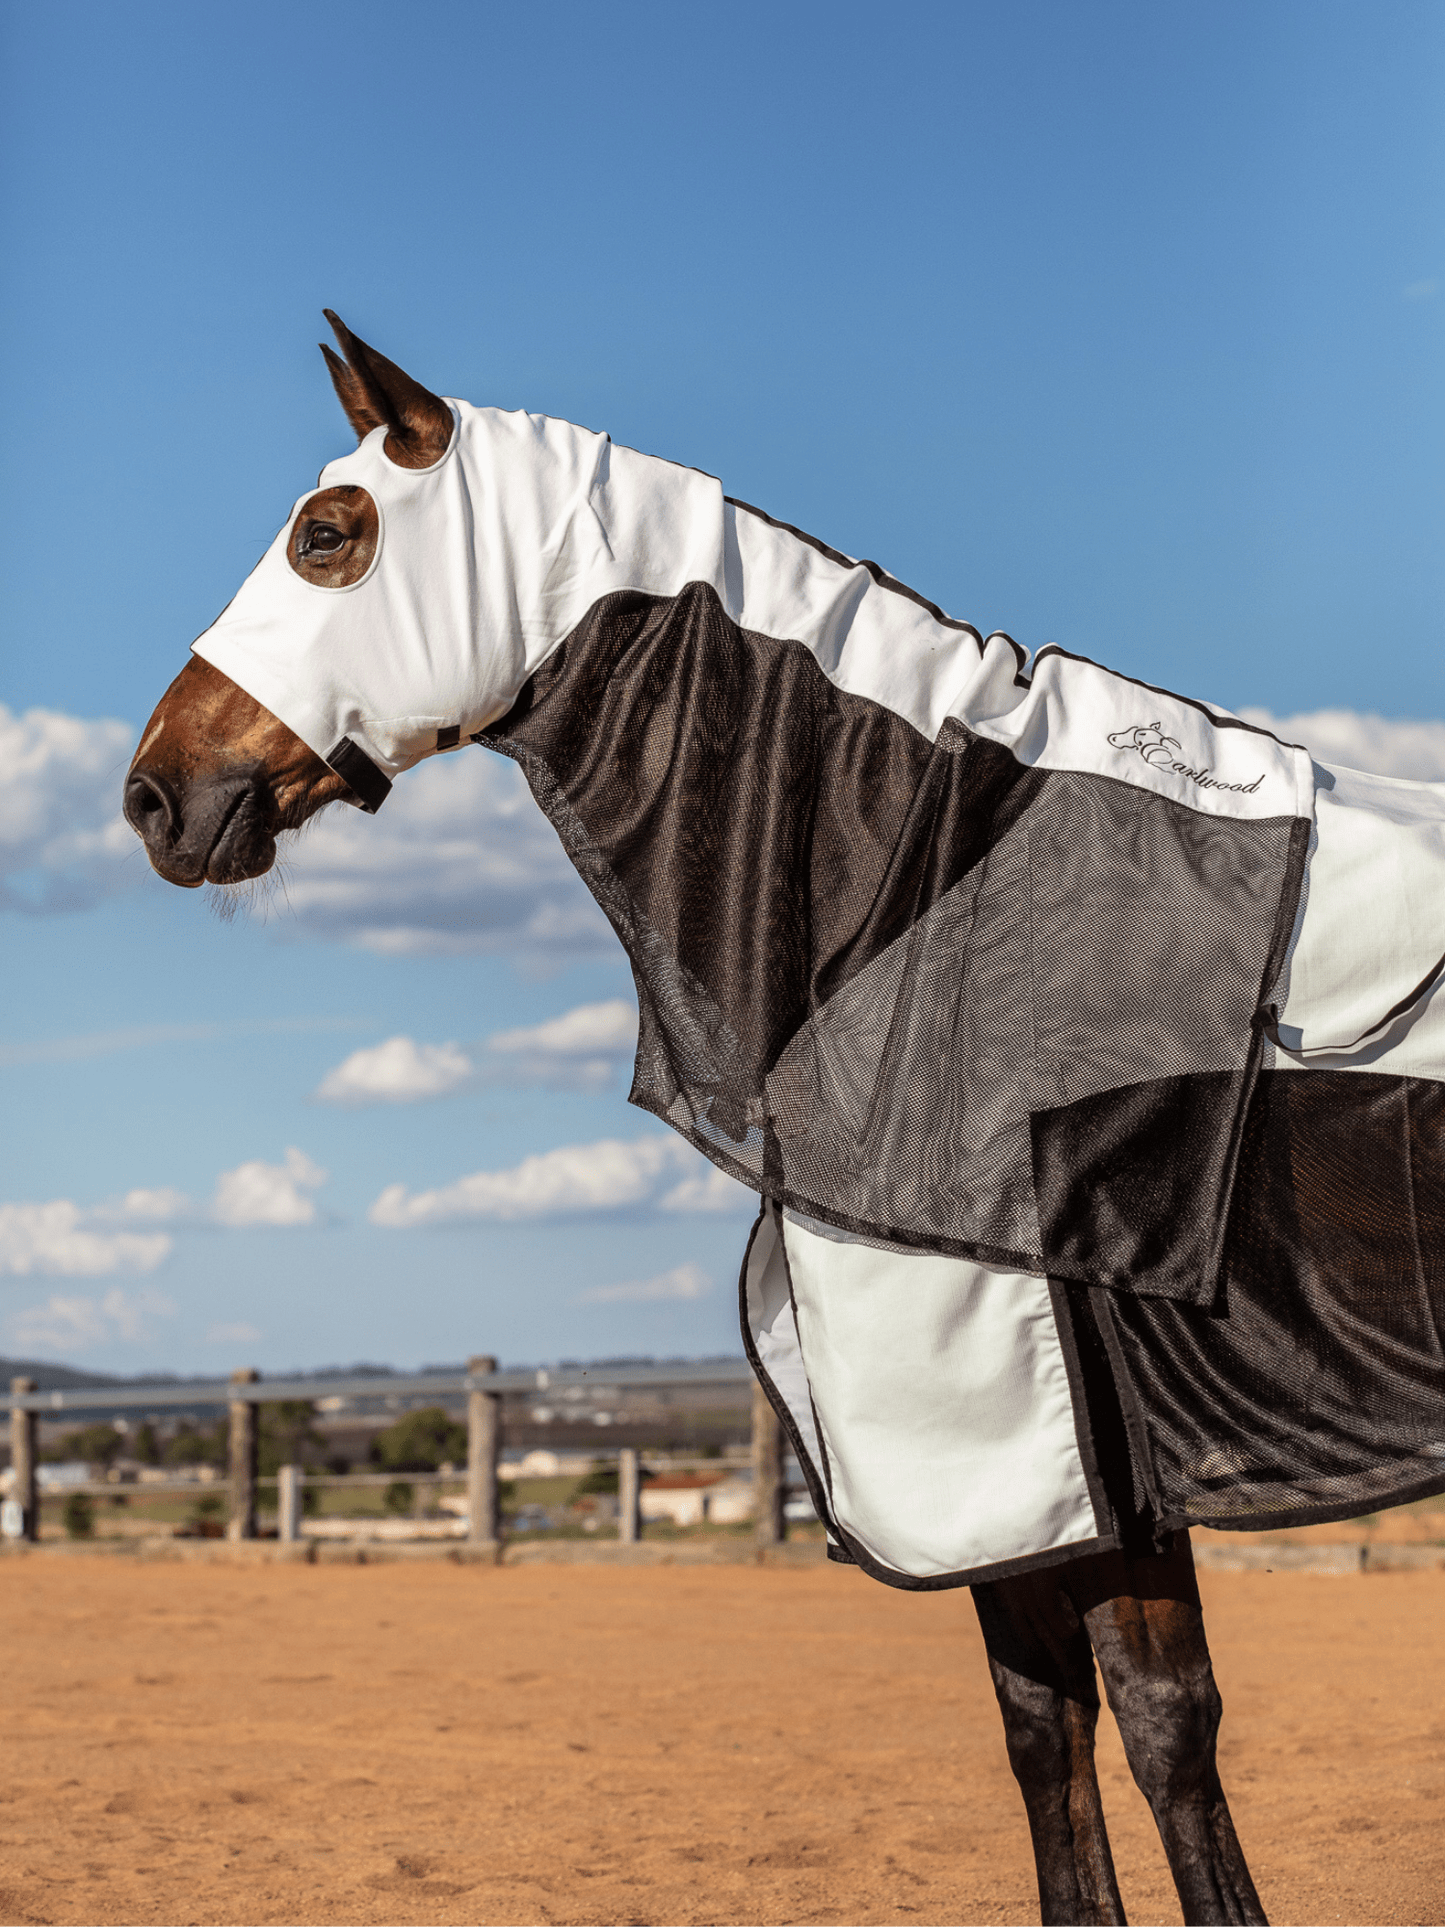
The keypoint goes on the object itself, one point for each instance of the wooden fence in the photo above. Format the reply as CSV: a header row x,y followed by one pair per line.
x,y
483,1386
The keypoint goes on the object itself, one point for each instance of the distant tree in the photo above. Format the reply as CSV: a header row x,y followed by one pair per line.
x,y
398,1496
421,1442
288,1436
145,1445
97,1444
192,1444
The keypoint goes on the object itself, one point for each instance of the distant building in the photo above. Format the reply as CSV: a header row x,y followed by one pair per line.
x,y
60,1478
691,1498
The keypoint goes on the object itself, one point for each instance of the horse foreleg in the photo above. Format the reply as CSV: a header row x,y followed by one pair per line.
x,y
1043,1673
1144,1620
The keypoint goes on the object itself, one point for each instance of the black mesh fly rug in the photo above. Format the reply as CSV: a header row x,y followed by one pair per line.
x,y
1079,1038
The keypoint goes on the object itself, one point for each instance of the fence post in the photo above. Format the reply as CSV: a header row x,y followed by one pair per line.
x,y
245,1439
629,1497
288,1504
24,1431
484,1438
769,1526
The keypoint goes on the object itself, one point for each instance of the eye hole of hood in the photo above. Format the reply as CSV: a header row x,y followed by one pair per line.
x,y
333,539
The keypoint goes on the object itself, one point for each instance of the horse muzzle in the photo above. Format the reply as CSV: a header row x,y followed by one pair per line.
x,y
217,830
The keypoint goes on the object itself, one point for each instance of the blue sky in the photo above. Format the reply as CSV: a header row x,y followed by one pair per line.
x,y
1117,326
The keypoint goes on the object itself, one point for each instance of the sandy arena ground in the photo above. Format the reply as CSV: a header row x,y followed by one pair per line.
x,y
210,1743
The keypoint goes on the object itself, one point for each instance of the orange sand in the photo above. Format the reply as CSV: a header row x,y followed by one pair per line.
x,y
430,1743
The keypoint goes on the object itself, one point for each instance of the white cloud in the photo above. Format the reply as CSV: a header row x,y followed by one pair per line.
x,y
63,1324
459,859
63,1239
400,1071
105,1043
706,1189
683,1281
159,1206
580,1050
63,841
1374,743
233,1335
268,1194
660,1172
591,1030
58,1238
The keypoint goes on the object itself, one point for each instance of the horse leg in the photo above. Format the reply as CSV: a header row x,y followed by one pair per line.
x,y
1043,1674
1144,1619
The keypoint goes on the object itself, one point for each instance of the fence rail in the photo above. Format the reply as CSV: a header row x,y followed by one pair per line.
x,y
220,1391
483,1385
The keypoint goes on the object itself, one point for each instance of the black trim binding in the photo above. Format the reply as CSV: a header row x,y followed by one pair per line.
x,y
821,1501
361,775
1269,1021
1192,702
1087,1422
885,581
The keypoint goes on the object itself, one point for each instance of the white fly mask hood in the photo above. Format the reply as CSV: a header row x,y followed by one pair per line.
x,y
484,562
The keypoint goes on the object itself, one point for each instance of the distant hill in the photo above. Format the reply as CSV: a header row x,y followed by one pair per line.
x,y
50,1377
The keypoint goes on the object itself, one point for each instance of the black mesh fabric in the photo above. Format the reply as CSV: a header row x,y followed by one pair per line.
x,y
1317,1391
879,977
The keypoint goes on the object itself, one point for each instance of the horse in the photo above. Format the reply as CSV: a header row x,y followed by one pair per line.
x,y
797,844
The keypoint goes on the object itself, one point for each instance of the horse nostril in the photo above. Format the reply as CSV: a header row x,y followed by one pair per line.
x,y
149,808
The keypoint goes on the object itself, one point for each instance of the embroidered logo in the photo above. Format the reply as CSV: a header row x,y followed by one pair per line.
x,y
1158,751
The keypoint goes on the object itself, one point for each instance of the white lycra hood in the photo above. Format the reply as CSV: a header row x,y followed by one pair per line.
x,y
484,562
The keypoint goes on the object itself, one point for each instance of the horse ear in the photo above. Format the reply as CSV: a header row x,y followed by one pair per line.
x,y
376,393
352,395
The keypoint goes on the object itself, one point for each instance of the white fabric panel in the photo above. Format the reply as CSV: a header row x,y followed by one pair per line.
x,y
944,1405
868,640
1371,928
874,642
774,1332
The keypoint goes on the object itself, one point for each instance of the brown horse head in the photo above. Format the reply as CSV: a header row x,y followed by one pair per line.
x,y
217,777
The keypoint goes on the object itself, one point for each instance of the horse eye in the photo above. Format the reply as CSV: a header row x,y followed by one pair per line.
x,y
323,537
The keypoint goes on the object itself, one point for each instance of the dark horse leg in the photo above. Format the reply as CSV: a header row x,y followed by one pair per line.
x,y
1043,1673
1142,1617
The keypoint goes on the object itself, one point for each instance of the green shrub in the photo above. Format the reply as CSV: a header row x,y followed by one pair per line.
x,y
78,1515
421,1442
398,1496
602,1478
